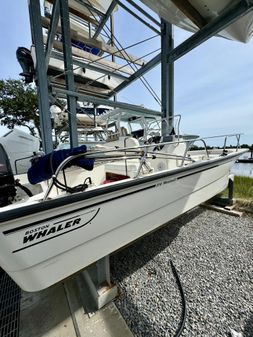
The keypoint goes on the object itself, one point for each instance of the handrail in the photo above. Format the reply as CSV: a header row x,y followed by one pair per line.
x,y
178,125
125,139
23,158
143,162
137,148
188,147
224,146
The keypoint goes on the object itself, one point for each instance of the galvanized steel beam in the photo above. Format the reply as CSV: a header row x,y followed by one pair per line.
x,y
104,19
167,78
112,42
138,17
141,10
52,30
69,76
41,72
101,101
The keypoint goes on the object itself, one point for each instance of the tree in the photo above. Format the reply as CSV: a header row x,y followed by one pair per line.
x,y
19,105
245,146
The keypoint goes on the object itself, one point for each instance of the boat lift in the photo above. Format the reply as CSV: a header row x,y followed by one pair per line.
x,y
99,277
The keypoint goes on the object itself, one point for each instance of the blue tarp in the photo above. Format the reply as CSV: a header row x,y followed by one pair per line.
x,y
42,170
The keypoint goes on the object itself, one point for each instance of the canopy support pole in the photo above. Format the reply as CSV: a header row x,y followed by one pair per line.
x,y
41,74
167,78
69,75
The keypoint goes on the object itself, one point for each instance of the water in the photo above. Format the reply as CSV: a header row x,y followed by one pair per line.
x,y
243,169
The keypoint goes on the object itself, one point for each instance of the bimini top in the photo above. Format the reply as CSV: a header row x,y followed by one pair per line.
x,y
192,15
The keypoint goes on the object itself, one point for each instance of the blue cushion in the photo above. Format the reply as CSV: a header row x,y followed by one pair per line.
x,y
42,170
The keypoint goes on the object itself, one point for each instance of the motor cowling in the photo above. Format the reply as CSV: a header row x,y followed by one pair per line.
x,y
7,182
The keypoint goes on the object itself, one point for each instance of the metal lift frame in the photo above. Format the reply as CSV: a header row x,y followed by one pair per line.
x,y
167,57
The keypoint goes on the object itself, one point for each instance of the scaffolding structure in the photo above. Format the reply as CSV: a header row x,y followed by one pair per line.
x,y
95,18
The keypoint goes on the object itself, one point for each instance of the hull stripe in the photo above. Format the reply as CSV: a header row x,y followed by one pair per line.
x,y
55,236
13,230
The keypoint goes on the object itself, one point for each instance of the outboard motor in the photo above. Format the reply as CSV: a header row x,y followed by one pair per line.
x,y
25,60
7,182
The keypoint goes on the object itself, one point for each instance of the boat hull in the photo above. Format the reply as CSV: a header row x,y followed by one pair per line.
x,y
240,30
38,250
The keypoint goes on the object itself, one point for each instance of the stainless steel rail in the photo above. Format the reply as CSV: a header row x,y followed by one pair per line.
x,y
141,152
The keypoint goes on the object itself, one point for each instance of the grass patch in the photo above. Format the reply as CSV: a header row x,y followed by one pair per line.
x,y
243,188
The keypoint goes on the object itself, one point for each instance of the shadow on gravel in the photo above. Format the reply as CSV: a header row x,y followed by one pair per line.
x,y
137,254
248,328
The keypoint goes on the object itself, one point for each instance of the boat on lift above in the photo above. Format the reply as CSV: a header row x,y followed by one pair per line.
x,y
192,15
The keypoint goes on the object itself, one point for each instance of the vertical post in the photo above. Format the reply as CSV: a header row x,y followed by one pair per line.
x,y
231,190
167,75
103,271
41,73
52,31
95,118
69,76
98,283
112,43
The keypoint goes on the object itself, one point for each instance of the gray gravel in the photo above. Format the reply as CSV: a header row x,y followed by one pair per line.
x,y
213,255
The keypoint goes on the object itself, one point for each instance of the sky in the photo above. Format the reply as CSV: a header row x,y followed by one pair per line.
x,y
213,82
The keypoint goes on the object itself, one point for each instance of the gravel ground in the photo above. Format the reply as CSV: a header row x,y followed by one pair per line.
x,y
213,256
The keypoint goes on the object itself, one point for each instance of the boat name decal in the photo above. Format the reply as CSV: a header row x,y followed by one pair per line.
x,y
48,231
161,183
44,231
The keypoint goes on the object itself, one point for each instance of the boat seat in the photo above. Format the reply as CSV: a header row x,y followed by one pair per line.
x,y
130,142
123,132
138,133
129,168
112,137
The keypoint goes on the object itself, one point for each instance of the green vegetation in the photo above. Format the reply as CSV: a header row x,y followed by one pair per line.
x,y
243,188
18,105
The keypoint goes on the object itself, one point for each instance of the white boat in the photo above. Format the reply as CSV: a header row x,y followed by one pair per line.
x,y
130,192
84,77
85,118
90,80
113,128
20,147
86,80
82,214
193,15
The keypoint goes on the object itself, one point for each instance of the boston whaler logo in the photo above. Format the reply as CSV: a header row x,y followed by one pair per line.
x,y
46,231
